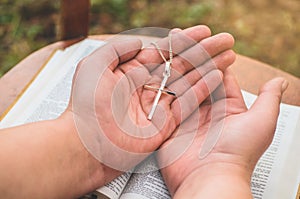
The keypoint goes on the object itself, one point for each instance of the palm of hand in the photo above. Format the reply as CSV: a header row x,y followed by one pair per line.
x,y
129,103
116,102
111,107
234,137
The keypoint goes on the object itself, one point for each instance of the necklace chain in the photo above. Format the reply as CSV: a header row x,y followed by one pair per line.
x,y
170,50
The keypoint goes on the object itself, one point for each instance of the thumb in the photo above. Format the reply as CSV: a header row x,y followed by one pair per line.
x,y
267,105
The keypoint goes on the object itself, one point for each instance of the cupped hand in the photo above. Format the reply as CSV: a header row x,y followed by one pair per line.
x,y
229,138
110,105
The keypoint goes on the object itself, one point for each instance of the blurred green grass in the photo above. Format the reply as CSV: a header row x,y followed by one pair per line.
x,y
265,30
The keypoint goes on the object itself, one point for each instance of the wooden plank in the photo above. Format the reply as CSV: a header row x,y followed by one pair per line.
x,y
252,74
74,19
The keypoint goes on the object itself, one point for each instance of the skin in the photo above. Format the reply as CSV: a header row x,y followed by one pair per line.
x,y
225,172
48,159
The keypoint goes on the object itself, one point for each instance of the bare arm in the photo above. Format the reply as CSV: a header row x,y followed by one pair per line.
x,y
46,160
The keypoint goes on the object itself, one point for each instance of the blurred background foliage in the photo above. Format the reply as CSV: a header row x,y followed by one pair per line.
x,y
267,30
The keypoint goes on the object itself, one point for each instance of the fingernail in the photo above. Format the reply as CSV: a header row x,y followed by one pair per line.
x,y
175,30
284,85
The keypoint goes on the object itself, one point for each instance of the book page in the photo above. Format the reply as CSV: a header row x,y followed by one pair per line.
x,y
146,182
48,95
276,174
277,170
284,179
115,188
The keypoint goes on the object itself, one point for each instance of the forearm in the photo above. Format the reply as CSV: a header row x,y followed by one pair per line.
x,y
46,160
221,182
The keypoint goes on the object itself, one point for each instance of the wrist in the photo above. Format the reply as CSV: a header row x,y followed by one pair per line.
x,y
215,180
93,174
48,153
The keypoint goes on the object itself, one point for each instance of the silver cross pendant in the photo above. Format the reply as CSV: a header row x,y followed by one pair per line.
x,y
166,75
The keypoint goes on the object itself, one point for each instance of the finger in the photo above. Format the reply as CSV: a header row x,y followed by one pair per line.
x,y
216,43
181,40
175,30
127,48
199,54
203,51
220,61
114,53
229,90
266,106
185,105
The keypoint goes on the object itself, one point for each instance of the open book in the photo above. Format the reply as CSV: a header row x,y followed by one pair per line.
x,y
277,174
